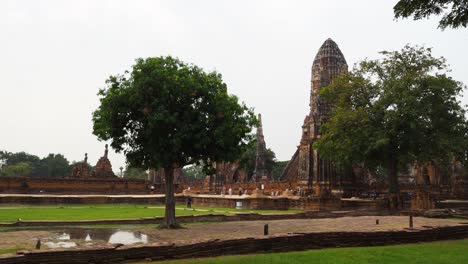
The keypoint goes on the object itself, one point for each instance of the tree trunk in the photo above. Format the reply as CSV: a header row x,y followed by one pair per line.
x,y
169,214
394,188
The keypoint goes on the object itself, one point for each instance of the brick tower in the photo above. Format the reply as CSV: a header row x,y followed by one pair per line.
x,y
306,167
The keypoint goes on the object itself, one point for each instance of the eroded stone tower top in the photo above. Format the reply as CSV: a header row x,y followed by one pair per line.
x,y
328,63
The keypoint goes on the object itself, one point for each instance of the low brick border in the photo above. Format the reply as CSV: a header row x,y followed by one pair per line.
x,y
211,248
201,218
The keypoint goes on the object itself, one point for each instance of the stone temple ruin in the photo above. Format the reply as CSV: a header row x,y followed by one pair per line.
x,y
308,174
84,179
103,168
260,172
313,173
319,177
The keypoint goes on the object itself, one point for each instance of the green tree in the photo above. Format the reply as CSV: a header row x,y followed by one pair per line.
x,y
10,158
455,12
194,171
135,173
54,165
248,158
17,169
169,114
393,112
278,168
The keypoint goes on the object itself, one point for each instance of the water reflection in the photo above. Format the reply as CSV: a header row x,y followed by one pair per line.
x,y
106,235
127,238
63,236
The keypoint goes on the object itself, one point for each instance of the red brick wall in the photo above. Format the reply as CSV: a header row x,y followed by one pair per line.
x,y
72,186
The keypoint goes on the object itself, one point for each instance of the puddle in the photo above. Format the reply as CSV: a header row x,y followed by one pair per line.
x,y
128,238
60,244
63,236
95,236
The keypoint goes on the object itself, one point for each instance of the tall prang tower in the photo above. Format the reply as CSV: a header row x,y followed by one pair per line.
x,y
260,172
306,167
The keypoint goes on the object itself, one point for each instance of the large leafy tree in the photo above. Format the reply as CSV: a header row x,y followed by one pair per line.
x,y
455,12
393,112
169,114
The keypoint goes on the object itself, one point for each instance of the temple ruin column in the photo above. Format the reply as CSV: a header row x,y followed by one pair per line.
x,y
260,171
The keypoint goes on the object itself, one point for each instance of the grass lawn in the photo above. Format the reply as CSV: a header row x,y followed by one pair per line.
x,y
10,250
107,211
445,252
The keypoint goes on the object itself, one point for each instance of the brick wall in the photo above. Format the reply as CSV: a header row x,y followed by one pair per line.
x,y
73,186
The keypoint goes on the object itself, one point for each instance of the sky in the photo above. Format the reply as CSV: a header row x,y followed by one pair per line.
x,y
56,55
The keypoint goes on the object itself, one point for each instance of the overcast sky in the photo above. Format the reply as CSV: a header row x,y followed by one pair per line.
x,y
55,55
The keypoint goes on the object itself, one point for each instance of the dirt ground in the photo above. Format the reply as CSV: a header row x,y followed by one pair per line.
x,y
26,239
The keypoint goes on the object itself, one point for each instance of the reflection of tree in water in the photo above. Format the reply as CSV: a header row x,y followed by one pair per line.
x,y
94,234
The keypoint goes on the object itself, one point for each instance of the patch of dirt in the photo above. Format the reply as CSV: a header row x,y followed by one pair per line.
x,y
226,230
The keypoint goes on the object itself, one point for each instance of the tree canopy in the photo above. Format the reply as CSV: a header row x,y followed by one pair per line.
x,y
194,171
167,114
454,12
25,164
394,111
55,165
248,159
135,173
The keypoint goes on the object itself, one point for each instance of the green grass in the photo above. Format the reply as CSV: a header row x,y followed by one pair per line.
x,y
218,210
10,250
94,212
445,252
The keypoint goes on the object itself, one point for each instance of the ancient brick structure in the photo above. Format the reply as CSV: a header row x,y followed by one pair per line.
x,y
315,174
226,173
309,174
28,185
82,169
103,168
260,172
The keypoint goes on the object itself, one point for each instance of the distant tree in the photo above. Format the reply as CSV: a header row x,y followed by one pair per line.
x,y
278,168
455,12
17,169
9,159
393,112
248,158
2,159
169,114
194,171
135,173
54,165
13,158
